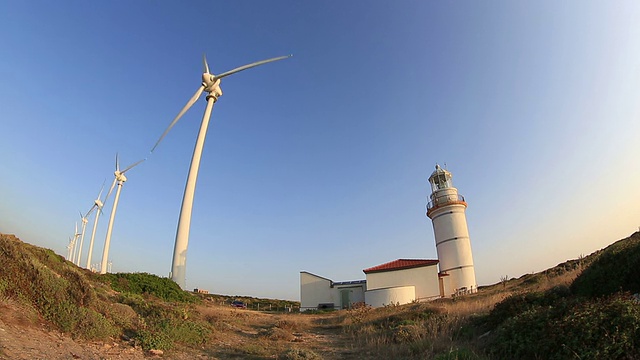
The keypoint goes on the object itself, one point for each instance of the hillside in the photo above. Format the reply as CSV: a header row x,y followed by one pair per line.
x,y
583,308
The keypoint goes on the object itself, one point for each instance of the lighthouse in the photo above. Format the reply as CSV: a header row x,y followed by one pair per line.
x,y
446,209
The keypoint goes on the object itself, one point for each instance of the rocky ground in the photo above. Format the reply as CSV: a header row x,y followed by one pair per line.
x,y
24,337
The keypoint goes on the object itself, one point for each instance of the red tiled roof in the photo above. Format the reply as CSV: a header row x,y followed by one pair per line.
x,y
400,264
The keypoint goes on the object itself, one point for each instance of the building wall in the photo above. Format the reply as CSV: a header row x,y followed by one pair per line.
x,y
391,295
316,290
356,294
425,280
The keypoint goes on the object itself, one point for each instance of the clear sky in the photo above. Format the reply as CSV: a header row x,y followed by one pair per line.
x,y
320,162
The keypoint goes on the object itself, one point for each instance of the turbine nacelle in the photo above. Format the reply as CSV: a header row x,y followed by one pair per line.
x,y
120,176
211,84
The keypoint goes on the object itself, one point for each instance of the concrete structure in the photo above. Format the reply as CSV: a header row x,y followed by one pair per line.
x,y
390,296
447,213
317,292
389,282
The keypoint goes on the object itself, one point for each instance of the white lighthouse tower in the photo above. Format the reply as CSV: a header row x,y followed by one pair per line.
x,y
447,213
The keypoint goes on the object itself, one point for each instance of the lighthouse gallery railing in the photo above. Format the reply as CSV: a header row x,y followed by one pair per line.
x,y
444,200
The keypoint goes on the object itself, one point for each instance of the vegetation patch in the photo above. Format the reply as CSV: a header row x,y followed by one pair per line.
x,y
615,269
604,328
143,283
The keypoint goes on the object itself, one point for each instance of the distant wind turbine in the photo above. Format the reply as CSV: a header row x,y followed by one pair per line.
x,y
120,180
69,248
84,226
75,242
97,204
211,85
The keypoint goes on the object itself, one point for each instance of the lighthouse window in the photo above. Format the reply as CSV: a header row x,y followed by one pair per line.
x,y
441,182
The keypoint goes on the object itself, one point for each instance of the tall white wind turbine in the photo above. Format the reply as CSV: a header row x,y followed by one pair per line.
x,y
120,180
97,205
211,85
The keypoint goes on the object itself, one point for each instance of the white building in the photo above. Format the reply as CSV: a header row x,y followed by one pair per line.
x,y
447,213
402,281
317,292
398,282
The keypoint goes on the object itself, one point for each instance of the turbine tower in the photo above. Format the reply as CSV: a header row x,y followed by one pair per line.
x,y
74,244
97,204
120,179
69,248
447,213
211,85
84,226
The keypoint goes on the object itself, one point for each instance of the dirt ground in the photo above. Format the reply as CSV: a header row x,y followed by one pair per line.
x,y
245,334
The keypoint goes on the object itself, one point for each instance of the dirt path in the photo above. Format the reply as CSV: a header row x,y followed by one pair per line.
x,y
250,335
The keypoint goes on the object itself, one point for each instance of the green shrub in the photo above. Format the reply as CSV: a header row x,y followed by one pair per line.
x,y
520,303
186,331
300,354
122,316
148,339
614,270
607,328
143,283
93,326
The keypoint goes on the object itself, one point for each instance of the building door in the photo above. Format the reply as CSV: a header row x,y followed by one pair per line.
x,y
345,297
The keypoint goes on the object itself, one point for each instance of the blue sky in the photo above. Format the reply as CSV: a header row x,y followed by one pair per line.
x,y
320,162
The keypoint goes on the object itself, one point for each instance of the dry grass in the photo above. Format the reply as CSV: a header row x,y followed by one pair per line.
x,y
241,333
412,331
426,330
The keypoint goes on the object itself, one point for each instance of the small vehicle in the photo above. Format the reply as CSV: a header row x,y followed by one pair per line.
x,y
239,304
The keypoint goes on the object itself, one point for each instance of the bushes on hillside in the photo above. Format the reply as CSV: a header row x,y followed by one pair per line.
x,y
615,269
60,293
143,283
596,318
72,300
603,328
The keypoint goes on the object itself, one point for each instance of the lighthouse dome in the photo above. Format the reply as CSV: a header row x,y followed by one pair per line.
x,y
440,171
440,179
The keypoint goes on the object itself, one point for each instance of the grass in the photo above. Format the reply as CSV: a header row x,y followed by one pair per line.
x,y
581,308
543,315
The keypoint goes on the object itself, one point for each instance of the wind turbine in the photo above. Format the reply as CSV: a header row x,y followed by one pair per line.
x,y
97,204
211,85
120,180
84,226
69,248
75,242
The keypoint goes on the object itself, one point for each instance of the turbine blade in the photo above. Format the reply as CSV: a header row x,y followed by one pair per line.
x,y
102,188
133,165
206,66
190,103
90,211
113,184
249,66
117,163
